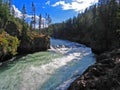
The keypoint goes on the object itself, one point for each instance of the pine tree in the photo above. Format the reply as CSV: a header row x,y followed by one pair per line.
x,y
40,22
24,13
31,25
9,4
13,11
34,16
46,19
49,20
0,3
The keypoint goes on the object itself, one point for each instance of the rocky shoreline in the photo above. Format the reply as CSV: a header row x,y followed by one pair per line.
x,y
103,75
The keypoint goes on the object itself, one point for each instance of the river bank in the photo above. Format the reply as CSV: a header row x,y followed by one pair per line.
x,y
103,75
35,43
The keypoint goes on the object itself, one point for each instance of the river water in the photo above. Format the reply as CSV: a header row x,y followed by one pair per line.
x,y
54,69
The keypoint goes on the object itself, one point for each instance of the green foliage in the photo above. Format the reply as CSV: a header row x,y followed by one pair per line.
x,y
1,30
15,36
8,45
97,27
4,15
24,12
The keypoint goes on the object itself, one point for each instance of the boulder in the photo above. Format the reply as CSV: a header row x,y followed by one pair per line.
x,y
34,44
13,28
103,75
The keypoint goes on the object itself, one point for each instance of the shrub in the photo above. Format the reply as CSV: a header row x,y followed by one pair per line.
x,y
8,45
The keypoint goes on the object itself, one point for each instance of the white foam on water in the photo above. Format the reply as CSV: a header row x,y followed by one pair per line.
x,y
44,72
54,74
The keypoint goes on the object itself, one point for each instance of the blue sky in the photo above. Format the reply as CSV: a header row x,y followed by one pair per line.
x,y
59,10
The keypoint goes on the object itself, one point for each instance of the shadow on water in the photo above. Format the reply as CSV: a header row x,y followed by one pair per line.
x,y
7,64
20,58
10,63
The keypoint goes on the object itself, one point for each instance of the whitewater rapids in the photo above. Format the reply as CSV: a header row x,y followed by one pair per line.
x,y
54,69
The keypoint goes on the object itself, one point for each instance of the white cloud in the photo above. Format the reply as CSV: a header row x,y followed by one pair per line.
x,y
18,14
48,2
76,5
58,3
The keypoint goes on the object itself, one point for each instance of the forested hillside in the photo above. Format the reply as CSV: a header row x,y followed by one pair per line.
x,y
16,37
98,27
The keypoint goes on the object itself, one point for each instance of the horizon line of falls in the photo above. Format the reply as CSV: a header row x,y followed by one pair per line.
x,y
54,69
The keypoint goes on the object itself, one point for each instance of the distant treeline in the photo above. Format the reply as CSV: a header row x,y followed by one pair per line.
x,y
98,27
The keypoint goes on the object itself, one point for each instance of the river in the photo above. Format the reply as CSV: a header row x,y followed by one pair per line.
x,y
54,69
